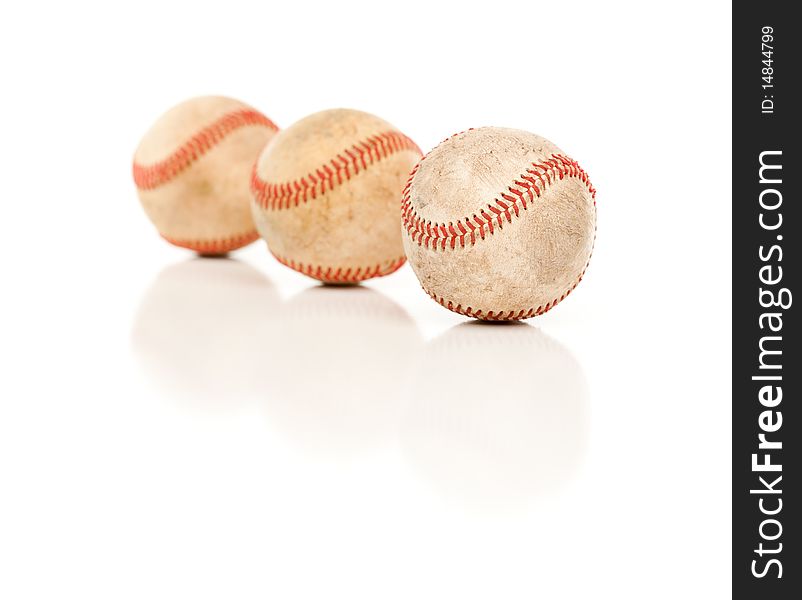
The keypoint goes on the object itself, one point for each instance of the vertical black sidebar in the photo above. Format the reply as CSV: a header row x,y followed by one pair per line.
x,y
767,365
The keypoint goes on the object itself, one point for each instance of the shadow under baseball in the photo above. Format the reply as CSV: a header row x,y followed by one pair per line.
x,y
497,416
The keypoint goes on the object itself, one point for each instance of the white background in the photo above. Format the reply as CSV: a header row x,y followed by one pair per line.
x,y
173,427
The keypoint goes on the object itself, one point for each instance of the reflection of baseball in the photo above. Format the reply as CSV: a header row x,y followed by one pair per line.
x,y
344,359
487,433
326,195
192,168
498,223
199,326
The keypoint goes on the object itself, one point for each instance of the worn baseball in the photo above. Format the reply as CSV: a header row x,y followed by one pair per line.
x,y
192,169
326,193
498,224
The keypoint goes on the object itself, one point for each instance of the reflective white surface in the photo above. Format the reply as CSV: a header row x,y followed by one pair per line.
x,y
342,371
173,427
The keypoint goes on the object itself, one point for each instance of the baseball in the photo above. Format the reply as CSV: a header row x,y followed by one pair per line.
x,y
326,193
192,169
498,224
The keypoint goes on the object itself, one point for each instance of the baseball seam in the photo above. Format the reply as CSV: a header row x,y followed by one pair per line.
x,y
148,177
215,246
344,165
509,315
535,180
342,274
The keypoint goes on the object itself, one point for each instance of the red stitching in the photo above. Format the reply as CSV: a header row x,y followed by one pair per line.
x,y
341,274
148,177
496,212
510,315
346,164
218,246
